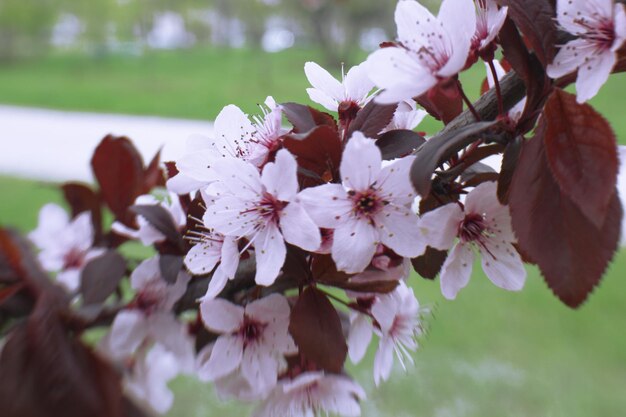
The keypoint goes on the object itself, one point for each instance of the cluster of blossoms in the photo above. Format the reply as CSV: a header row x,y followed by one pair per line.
x,y
281,251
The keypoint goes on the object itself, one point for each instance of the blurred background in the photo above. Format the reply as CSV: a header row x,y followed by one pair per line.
x,y
72,71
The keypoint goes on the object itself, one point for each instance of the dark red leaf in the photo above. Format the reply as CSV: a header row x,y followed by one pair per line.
x,y
118,167
440,148
444,101
170,266
154,175
316,329
44,372
536,20
582,152
372,118
170,167
429,264
380,287
161,220
82,197
554,233
398,143
305,118
101,276
8,292
318,151
325,271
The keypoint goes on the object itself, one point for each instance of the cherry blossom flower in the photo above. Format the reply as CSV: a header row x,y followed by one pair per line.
x,y
210,249
253,341
430,49
600,27
234,136
483,224
146,233
352,91
147,381
407,116
66,246
313,393
489,21
150,317
368,208
261,207
397,324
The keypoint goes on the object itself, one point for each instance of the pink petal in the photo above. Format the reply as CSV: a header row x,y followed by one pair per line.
x,y
233,130
458,18
183,184
620,26
172,334
383,361
399,230
128,331
238,177
456,270
359,337
357,83
394,181
280,177
231,216
411,20
323,81
202,257
360,163
298,228
440,226
225,357
227,268
320,97
570,56
593,74
506,270
221,316
259,368
270,253
354,245
327,204
269,308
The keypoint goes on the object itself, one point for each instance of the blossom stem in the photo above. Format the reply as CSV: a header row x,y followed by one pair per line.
x,y
467,101
345,303
496,83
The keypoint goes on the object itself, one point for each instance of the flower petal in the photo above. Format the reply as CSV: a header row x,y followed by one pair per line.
x,y
383,361
327,204
320,97
128,331
233,130
440,226
358,84
323,81
503,265
221,316
359,337
456,270
593,74
570,56
399,230
225,358
280,177
298,228
361,162
354,245
458,18
270,253
203,256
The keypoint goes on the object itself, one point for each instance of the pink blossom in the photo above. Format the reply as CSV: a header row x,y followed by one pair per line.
x,y
352,90
234,136
431,49
600,27
261,207
311,394
253,340
146,233
66,246
489,21
369,208
147,381
397,324
483,224
407,116
150,317
210,249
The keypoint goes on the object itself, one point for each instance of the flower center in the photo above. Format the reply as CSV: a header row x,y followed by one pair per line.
x,y
601,32
366,204
251,331
75,258
472,228
150,298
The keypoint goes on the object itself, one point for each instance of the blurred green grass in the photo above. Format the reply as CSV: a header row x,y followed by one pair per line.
x,y
489,353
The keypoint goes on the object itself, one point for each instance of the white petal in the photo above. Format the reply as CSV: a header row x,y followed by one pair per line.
x,y
440,226
320,97
593,74
456,270
280,177
183,184
323,81
620,26
359,337
239,177
128,331
459,20
233,130
146,273
360,163
570,56
354,245
225,358
202,258
269,308
270,251
259,368
394,181
383,361
221,316
69,279
52,220
506,270
327,204
172,335
298,228
227,268
231,216
412,19
357,83
399,230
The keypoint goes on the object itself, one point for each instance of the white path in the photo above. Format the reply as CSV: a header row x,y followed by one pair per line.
x,y
57,145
